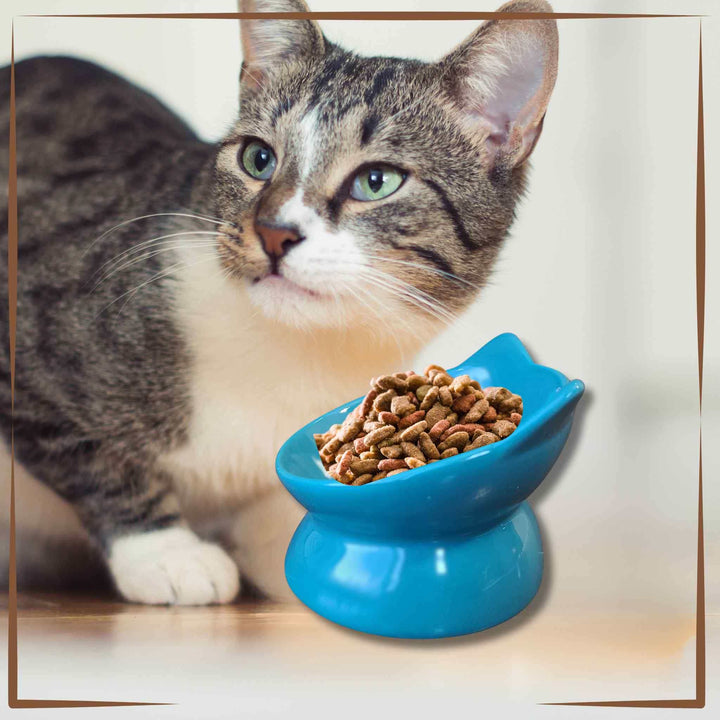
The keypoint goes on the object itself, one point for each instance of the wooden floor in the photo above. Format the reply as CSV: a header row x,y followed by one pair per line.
x,y
266,658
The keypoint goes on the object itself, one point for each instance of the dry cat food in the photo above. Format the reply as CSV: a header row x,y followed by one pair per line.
x,y
409,420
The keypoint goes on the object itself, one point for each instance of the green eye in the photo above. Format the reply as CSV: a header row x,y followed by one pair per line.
x,y
376,183
258,160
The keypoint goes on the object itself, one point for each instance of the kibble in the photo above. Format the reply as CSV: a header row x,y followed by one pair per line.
x,y
409,420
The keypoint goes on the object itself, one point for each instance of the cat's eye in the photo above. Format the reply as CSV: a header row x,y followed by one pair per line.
x,y
258,160
376,182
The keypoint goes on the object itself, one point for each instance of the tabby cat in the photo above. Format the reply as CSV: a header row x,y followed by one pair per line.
x,y
183,307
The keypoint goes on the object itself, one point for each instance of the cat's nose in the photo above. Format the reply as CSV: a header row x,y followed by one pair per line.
x,y
277,239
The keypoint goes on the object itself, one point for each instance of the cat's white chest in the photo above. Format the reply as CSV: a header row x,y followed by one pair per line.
x,y
251,385
245,401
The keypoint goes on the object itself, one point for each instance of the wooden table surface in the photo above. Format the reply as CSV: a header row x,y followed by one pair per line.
x,y
266,658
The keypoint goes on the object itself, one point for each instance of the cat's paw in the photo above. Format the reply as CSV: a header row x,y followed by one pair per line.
x,y
172,567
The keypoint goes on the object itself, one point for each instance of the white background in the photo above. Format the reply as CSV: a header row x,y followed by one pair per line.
x,y
598,277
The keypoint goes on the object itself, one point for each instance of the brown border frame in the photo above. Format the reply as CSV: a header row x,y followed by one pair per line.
x,y
700,242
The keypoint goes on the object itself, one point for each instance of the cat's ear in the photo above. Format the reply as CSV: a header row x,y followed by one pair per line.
x,y
270,43
501,78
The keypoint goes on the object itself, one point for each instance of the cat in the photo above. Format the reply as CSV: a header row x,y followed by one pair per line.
x,y
183,307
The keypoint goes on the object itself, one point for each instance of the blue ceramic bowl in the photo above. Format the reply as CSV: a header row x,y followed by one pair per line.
x,y
446,549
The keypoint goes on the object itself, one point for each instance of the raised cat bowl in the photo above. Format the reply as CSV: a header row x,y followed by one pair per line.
x,y
446,549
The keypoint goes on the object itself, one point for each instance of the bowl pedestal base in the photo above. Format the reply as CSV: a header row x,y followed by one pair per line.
x,y
412,588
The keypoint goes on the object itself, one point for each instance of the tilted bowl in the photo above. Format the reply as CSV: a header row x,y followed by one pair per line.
x,y
445,549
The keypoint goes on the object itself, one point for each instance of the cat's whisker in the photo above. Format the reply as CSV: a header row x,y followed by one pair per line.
x,y
140,245
425,268
146,217
207,216
168,272
150,249
111,266
395,292
434,302
150,255
381,313
406,291
158,276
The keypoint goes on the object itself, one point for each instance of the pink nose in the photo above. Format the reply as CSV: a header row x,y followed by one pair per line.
x,y
276,239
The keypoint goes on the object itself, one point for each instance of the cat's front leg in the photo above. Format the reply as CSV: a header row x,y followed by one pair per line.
x,y
152,554
259,538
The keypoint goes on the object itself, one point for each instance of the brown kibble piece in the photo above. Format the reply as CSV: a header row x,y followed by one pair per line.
x,y
427,446
413,462
391,382
435,413
411,419
360,445
441,379
430,398
367,403
460,384
343,464
398,471
457,440
388,418
449,453
402,405
477,411
372,454
445,396
391,464
413,432
331,447
481,440
502,428
469,428
360,467
422,391
515,418
379,476
363,479
383,400
497,395
464,403
410,450
392,440
392,451
438,429
490,416
414,382
381,433
349,430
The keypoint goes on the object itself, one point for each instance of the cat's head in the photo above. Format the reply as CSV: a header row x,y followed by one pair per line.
x,y
374,189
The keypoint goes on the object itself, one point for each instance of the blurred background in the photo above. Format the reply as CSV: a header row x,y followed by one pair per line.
x,y
597,279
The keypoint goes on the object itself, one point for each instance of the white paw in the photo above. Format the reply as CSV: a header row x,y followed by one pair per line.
x,y
172,566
